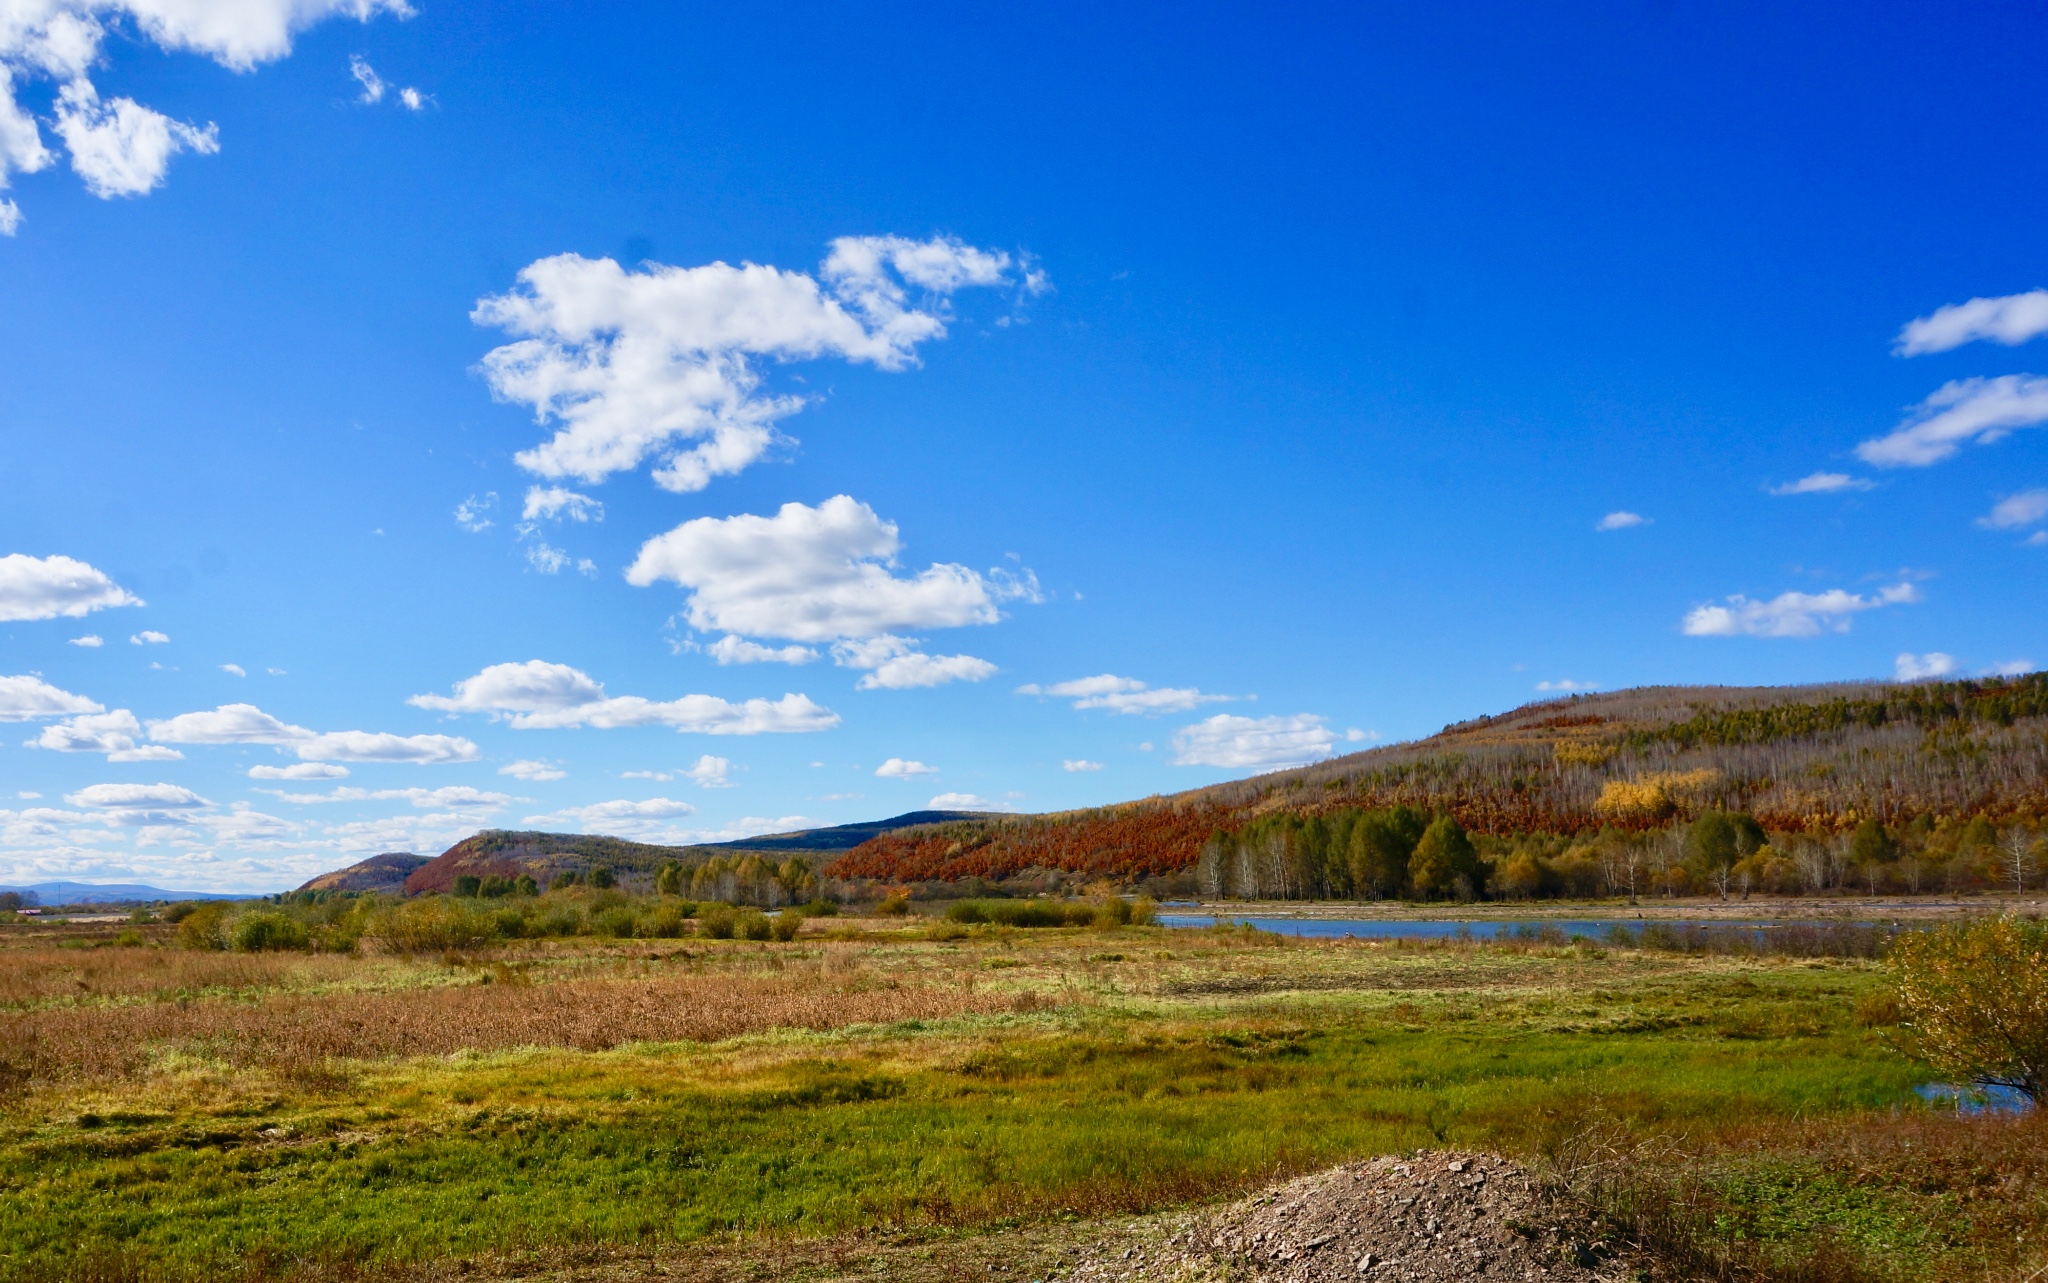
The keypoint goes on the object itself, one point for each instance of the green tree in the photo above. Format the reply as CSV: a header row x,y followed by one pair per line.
x,y
468,885
1873,844
1444,862
1381,843
670,880
527,886
601,878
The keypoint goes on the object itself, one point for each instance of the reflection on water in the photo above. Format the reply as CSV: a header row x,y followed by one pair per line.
x,y
1971,1100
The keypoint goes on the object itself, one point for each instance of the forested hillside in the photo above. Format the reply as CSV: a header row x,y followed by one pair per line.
x,y
1572,786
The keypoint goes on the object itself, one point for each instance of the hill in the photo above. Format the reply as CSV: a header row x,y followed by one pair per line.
x,y
499,853
386,873
1808,759
61,893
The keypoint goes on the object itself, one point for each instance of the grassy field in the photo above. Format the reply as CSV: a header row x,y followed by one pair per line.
x,y
171,1114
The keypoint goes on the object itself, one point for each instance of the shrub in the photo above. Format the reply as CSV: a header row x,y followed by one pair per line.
x,y
560,920
1144,911
469,886
1030,913
894,906
752,924
786,924
1975,998
258,932
1112,912
716,921
562,881
666,923
201,927
943,930
432,924
617,922
511,923
526,885
601,878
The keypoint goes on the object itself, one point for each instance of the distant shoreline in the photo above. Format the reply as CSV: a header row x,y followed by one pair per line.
x,y
1692,908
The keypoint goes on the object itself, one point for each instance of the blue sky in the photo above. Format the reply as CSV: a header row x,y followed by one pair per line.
x,y
1116,402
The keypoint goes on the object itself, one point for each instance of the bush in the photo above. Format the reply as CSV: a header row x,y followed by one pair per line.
x,y
1975,998
894,906
431,925
1030,913
258,932
617,922
559,920
786,924
1144,911
667,922
203,926
526,885
716,921
469,886
752,924
601,878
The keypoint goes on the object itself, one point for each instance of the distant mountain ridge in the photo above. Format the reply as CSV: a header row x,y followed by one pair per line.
x,y
60,893
386,873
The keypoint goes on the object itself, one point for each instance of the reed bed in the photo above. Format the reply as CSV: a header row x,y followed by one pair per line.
x,y
303,1032
42,976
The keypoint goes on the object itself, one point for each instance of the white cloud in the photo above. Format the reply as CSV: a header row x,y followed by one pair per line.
x,y
1914,668
897,768
27,696
10,213
710,772
115,734
532,771
556,503
1964,410
2011,319
635,364
91,641
2010,668
1253,743
120,147
1620,521
540,695
648,820
1125,695
454,798
148,637
470,513
275,672
1357,736
299,771
2016,511
367,77
965,802
47,587
1823,483
814,574
413,99
234,669
895,663
1792,614
136,797
1567,685
248,724
731,649
1080,764
550,560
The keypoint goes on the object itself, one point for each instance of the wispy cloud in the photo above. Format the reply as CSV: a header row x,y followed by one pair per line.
x,y
2016,512
1620,521
1958,413
2009,319
1909,667
1823,483
1792,614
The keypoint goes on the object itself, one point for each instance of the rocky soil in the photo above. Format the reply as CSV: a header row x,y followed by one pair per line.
x,y
1435,1215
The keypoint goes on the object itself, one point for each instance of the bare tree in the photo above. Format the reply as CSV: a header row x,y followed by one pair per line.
x,y
2018,849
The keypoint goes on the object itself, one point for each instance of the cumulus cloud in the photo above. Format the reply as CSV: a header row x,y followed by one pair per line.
x,y
234,670
638,364
1125,694
532,771
1918,668
711,772
1080,764
148,637
1567,685
1620,521
118,146
1253,743
2015,512
92,641
815,575
2011,319
1792,614
731,649
540,695
965,802
1823,483
555,503
29,696
472,513
117,734
248,724
898,768
47,587
454,798
413,100
650,819
136,797
1957,413
895,663
299,771
2010,668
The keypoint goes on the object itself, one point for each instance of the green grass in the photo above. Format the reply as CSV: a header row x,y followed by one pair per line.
x,y
1143,1095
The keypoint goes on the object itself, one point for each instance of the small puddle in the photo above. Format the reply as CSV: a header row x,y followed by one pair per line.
x,y
1972,1101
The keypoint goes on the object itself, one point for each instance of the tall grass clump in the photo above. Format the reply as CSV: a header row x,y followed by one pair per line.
x,y
1105,911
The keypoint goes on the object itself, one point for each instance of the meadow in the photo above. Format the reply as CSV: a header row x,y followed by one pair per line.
x,y
890,1085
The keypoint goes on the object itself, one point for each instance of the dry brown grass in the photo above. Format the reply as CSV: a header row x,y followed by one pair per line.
x,y
298,1033
43,976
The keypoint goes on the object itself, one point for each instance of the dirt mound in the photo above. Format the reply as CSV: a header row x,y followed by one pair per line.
x,y
1431,1216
